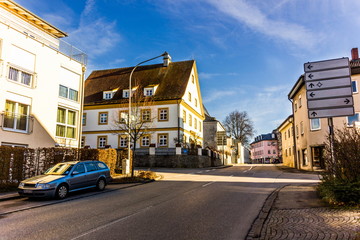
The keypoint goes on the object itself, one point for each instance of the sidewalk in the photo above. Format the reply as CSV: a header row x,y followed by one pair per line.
x,y
296,212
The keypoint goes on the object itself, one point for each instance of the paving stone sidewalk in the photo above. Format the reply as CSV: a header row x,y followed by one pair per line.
x,y
296,212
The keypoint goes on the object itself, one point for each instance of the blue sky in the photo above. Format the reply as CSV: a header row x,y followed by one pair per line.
x,y
249,53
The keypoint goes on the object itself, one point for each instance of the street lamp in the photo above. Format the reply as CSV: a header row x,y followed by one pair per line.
x,y
166,56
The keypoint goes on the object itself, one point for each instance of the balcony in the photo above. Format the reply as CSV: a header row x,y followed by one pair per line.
x,y
16,122
72,52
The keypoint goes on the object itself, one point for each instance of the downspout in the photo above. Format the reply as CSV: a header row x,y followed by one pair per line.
x,y
178,108
294,137
82,87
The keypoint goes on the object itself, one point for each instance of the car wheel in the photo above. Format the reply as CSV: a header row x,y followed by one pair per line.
x,y
62,191
101,184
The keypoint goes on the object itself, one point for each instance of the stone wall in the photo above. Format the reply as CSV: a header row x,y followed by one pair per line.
x,y
176,161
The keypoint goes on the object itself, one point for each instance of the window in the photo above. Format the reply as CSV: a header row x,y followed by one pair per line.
x,y
20,76
300,101
102,141
83,141
123,141
163,140
274,151
289,133
286,153
123,116
69,93
163,114
16,116
196,102
284,135
125,93
297,131
145,141
66,123
315,124
146,115
90,166
302,128
103,118
148,92
189,97
289,151
269,151
184,116
190,120
195,123
80,168
354,86
192,78
199,126
295,106
84,119
108,95
352,119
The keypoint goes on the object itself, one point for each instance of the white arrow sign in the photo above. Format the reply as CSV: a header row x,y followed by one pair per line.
x,y
329,93
335,73
327,64
330,103
335,112
332,83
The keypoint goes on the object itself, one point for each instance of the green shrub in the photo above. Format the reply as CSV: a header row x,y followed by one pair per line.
x,y
341,180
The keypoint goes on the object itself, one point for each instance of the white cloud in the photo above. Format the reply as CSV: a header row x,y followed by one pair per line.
x,y
256,20
217,95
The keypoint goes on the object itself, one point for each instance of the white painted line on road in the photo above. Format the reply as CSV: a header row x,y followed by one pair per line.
x,y
231,175
207,170
208,184
199,172
111,223
248,169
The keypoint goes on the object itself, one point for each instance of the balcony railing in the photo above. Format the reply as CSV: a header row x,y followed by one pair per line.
x,y
72,52
16,122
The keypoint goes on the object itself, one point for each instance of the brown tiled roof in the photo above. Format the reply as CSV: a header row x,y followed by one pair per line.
x,y
171,81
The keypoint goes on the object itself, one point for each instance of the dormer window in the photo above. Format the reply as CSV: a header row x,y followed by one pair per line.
x,y
109,94
150,90
125,93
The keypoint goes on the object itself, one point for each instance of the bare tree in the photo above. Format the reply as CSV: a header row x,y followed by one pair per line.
x,y
239,126
140,123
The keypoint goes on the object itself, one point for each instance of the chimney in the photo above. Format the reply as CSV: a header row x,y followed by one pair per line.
x,y
354,54
167,59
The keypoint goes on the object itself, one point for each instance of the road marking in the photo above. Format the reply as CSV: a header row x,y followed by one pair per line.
x,y
231,175
208,184
199,172
249,169
207,170
111,223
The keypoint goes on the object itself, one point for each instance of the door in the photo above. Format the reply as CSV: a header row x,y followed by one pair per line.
x,y
92,173
78,178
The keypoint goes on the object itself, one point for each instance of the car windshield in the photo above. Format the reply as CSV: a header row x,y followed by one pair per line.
x,y
60,169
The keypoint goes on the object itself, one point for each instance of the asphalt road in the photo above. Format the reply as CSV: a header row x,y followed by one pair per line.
x,y
185,204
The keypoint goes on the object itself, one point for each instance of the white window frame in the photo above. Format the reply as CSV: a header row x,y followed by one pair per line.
x,y
149,92
123,141
108,95
145,141
126,93
312,128
18,79
103,118
68,90
102,141
16,116
353,122
66,124
163,140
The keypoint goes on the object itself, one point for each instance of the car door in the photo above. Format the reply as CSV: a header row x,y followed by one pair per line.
x,y
92,173
78,178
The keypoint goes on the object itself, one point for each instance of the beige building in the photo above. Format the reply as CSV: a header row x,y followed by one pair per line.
x,y
310,135
174,112
40,82
286,142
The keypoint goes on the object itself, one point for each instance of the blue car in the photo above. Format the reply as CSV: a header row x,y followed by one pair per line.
x,y
66,177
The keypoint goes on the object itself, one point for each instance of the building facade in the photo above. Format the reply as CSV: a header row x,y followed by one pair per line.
x,y
311,134
265,149
171,108
286,141
41,83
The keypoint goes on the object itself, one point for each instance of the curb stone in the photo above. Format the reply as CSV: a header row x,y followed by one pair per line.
x,y
255,230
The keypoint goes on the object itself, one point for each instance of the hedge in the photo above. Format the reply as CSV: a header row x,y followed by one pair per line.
x,y
17,164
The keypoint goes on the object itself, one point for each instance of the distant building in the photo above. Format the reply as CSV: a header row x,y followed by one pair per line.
x,y
286,142
175,111
264,149
311,134
41,82
214,133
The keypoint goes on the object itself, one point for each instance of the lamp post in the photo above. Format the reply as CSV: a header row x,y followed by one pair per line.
x,y
166,56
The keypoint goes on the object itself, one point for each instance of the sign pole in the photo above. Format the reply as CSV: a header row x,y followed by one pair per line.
x,y
331,135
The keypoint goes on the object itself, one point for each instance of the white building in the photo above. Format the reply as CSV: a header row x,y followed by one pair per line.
x,y
176,109
40,84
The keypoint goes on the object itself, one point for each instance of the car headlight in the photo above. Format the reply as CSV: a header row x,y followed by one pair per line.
x,y
43,186
21,185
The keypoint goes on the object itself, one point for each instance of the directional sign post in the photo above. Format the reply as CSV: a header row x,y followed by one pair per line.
x,y
329,90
